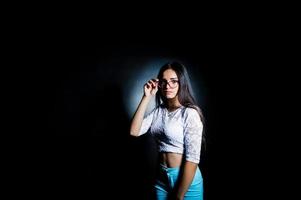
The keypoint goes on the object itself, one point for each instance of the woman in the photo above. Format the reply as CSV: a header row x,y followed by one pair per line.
x,y
176,123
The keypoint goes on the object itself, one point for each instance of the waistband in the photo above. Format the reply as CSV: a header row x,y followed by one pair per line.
x,y
169,169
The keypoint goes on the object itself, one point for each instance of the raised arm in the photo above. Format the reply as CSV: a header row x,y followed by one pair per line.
x,y
150,90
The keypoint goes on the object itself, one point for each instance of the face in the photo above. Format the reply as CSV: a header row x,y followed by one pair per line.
x,y
169,84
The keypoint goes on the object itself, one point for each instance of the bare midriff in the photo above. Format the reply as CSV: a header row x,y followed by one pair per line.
x,y
171,160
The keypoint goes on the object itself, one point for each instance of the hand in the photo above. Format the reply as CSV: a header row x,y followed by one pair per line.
x,y
151,87
173,195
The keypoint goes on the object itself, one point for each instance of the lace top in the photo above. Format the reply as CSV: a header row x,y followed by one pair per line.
x,y
179,131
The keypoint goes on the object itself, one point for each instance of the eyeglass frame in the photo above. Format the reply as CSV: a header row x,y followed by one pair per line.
x,y
165,82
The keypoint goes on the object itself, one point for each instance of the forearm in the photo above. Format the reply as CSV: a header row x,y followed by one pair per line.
x,y
139,115
185,179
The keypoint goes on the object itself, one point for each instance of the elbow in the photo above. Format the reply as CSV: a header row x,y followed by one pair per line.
x,y
134,133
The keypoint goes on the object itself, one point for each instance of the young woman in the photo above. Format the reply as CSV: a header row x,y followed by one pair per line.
x,y
177,125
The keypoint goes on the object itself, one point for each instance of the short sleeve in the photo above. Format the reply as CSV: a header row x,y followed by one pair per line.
x,y
146,123
193,130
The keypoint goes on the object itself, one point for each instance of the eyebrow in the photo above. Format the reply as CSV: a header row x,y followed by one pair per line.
x,y
170,79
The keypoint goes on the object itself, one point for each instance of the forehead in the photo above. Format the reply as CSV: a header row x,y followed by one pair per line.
x,y
169,74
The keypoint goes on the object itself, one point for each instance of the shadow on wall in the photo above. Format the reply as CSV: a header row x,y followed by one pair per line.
x,y
97,156
129,161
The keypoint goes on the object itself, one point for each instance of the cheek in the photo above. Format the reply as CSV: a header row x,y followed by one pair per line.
x,y
177,90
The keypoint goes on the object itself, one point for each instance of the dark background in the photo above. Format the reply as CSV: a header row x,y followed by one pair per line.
x,y
91,150
81,145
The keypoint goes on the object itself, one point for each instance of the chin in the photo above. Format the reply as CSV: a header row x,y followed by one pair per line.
x,y
170,96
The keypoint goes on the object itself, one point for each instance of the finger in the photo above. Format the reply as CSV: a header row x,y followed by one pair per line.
x,y
152,83
155,81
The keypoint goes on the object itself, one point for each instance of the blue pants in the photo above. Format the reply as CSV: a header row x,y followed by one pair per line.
x,y
167,177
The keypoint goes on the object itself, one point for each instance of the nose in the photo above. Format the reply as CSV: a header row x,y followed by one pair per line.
x,y
167,85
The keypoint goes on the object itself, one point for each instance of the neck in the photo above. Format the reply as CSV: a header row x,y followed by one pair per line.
x,y
173,103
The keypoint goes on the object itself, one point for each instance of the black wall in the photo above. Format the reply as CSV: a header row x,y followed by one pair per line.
x,y
88,150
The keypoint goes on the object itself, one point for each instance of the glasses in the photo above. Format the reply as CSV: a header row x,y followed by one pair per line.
x,y
171,83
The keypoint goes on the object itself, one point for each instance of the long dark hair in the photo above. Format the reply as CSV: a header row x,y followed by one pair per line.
x,y
185,93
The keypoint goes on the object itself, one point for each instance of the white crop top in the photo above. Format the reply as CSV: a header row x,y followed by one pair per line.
x,y
179,131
